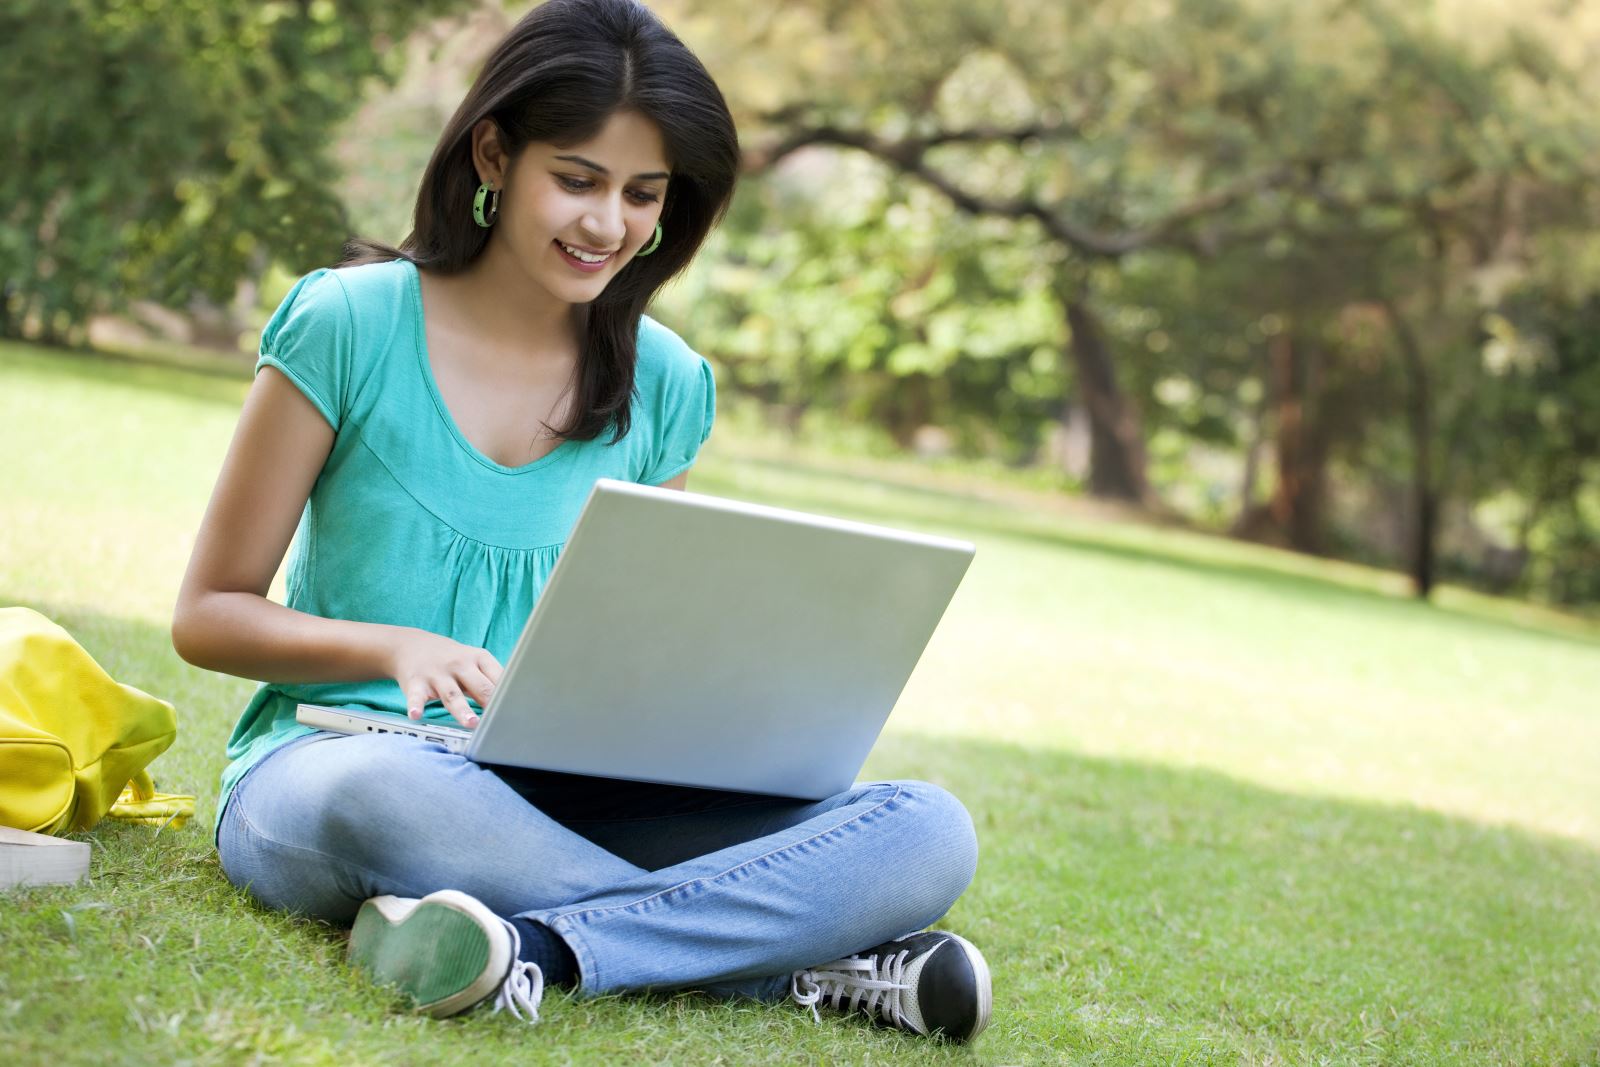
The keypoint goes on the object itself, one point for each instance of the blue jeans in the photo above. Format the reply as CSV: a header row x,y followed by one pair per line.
x,y
651,886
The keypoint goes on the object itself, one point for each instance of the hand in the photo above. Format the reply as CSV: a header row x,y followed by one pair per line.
x,y
431,667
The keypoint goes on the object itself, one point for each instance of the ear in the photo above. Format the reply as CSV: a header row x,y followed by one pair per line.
x,y
488,153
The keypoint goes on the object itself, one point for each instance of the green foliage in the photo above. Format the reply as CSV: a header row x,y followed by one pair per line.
x,y
1336,171
1208,176
1543,428
855,304
166,148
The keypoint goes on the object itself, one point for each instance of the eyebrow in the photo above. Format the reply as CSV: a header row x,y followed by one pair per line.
x,y
598,169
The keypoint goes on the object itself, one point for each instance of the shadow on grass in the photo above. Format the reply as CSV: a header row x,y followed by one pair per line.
x,y
1140,900
1131,912
957,512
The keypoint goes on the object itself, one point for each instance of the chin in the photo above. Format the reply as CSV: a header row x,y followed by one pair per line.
x,y
576,291
584,294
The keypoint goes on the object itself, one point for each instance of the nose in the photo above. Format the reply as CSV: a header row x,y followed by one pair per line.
x,y
604,225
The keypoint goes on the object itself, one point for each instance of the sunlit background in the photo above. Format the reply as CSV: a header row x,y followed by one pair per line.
x,y
1319,274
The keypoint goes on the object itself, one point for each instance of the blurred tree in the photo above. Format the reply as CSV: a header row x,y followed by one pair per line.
x,y
164,148
1467,154
1099,130
853,305
1448,160
1252,352
1534,454
1367,160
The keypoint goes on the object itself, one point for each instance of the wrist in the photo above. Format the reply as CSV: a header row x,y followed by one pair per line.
x,y
381,651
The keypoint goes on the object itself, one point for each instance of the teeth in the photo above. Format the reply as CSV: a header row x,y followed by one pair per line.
x,y
578,253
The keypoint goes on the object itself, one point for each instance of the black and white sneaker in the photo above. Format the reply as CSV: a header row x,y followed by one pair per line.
x,y
931,983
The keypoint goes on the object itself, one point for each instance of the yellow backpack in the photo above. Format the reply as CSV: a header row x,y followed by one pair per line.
x,y
72,739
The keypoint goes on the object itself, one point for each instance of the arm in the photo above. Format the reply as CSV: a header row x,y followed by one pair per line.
x,y
680,482
223,620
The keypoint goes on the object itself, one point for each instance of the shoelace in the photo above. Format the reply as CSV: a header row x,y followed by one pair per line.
x,y
869,985
523,988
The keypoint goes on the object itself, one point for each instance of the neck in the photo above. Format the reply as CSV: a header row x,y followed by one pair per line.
x,y
532,313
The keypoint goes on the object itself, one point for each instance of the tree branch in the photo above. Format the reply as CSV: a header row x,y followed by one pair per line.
x,y
909,154
904,150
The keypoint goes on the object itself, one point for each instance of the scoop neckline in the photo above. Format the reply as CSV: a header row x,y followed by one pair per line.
x,y
419,329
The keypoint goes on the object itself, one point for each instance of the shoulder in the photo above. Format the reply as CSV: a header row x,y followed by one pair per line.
x,y
662,353
374,289
337,298
670,375
372,279
677,400
332,330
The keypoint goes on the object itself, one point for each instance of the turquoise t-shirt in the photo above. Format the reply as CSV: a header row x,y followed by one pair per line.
x,y
408,523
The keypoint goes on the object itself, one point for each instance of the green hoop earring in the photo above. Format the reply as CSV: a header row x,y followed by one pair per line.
x,y
653,245
492,195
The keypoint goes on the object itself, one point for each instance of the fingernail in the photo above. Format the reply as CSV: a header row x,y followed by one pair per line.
x,y
472,720
415,713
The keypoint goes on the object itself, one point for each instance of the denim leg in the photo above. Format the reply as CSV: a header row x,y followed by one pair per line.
x,y
823,880
723,892
325,822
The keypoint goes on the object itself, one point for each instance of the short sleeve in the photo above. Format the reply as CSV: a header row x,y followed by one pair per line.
x,y
310,340
684,409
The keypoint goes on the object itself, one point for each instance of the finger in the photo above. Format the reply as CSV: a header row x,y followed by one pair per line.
x,y
491,668
417,693
455,701
477,685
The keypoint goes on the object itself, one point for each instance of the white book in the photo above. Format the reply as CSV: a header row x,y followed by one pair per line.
x,y
27,858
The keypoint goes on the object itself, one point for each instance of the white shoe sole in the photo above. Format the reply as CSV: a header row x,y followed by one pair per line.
x,y
413,959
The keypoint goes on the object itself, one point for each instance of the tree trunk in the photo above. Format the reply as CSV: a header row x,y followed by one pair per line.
x,y
1302,446
1248,513
903,407
1424,534
1419,423
10,322
1116,444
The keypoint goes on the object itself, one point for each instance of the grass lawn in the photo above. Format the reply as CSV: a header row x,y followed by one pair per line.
x,y
1235,806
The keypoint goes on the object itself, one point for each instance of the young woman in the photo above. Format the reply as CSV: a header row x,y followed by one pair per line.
x,y
429,420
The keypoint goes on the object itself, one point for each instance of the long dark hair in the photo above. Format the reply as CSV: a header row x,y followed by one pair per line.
x,y
560,73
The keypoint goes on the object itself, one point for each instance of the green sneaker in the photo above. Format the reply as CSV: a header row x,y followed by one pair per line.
x,y
933,983
447,952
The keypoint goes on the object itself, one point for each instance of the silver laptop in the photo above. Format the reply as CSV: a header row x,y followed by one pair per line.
x,y
691,640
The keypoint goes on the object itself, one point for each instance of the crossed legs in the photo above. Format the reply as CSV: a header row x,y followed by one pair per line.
x,y
649,886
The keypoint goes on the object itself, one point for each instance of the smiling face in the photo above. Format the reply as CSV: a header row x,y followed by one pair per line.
x,y
572,216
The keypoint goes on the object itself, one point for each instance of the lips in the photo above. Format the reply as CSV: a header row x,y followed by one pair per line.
x,y
578,262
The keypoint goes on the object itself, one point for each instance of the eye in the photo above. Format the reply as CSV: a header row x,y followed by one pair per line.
x,y
574,185
643,196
